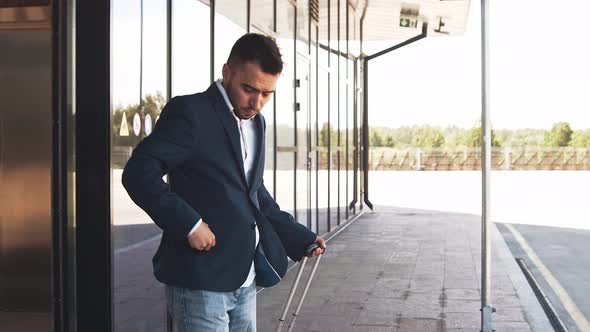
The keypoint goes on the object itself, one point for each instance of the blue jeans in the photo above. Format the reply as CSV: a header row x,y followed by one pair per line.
x,y
199,310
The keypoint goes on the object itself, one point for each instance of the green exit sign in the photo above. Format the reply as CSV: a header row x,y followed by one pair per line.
x,y
408,22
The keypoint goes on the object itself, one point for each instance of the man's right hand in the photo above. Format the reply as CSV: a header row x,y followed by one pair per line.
x,y
202,238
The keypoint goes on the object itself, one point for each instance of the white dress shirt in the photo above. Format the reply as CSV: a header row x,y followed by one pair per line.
x,y
248,142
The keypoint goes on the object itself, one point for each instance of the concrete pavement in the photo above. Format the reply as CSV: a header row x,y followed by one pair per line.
x,y
408,270
395,269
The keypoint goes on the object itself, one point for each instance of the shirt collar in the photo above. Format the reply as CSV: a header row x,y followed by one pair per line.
x,y
227,101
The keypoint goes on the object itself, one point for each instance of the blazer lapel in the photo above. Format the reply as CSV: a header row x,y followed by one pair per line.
x,y
259,163
229,125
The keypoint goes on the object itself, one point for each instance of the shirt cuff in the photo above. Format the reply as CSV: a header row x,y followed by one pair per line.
x,y
195,227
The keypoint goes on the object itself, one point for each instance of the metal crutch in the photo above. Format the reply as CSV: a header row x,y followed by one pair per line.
x,y
308,251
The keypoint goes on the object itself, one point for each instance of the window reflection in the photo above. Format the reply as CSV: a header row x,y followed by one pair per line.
x,y
303,27
262,14
350,131
191,59
343,113
334,130
230,24
324,134
139,94
285,108
314,129
269,161
302,114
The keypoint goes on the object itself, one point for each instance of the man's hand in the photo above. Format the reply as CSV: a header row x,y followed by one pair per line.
x,y
202,238
321,249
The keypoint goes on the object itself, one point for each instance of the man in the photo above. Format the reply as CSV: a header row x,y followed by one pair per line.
x,y
223,233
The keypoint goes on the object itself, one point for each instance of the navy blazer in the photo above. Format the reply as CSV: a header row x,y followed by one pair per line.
x,y
196,142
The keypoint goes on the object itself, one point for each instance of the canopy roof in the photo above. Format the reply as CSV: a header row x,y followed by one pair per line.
x,y
395,19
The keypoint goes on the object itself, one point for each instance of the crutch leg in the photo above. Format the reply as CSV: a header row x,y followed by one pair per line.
x,y
291,294
296,313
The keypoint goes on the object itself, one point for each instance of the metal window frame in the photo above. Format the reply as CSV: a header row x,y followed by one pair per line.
x,y
338,108
317,153
63,293
93,167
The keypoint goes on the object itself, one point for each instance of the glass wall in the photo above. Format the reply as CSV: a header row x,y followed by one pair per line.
x,y
310,112
334,116
342,140
343,111
323,111
191,40
302,122
314,130
262,21
323,192
350,144
231,22
139,92
263,16
302,96
285,107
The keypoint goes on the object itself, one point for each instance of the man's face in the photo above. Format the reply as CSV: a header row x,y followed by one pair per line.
x,y
248,88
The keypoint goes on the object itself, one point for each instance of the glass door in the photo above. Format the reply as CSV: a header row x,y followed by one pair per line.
x,y
286,148
302,115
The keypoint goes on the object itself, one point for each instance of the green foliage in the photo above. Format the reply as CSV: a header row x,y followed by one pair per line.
x,y
580,139
559,135
452,136
327,135
428,137
389,141
375,138
521,137
470,138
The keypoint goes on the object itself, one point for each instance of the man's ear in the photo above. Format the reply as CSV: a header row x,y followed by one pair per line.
x,y
225,72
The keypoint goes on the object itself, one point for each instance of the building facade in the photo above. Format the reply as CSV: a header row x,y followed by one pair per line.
x,y
84,82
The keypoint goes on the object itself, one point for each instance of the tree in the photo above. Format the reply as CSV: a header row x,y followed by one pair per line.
x,y
523,137
580,139
374,138
403,136
428,137
327,136
389,142
472,138
559,135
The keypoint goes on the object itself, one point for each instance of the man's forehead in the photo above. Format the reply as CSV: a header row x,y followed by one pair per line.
x,y
259,89
254,77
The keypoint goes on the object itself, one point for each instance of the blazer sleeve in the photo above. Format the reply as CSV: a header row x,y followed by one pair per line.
x,y
171,143
294,236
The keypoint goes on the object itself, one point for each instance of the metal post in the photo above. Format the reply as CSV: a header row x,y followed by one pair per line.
x,y
365,133
486,308
418,159
508,158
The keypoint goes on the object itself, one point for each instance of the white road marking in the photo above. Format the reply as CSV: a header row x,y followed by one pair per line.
x,y
566,300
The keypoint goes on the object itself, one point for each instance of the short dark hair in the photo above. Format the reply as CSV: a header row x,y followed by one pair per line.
x,y
259,49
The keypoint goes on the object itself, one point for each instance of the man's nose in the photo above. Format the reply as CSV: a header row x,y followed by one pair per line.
x,y
256,101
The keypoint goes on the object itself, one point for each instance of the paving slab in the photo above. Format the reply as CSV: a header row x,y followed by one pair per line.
x,y
399,269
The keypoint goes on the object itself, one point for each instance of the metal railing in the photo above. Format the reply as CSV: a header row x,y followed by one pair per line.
x,y
463,158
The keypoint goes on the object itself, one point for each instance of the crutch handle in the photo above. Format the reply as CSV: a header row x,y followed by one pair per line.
x,y
309,250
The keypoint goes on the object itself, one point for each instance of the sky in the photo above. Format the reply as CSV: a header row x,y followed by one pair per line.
x,y
539,71
539,66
